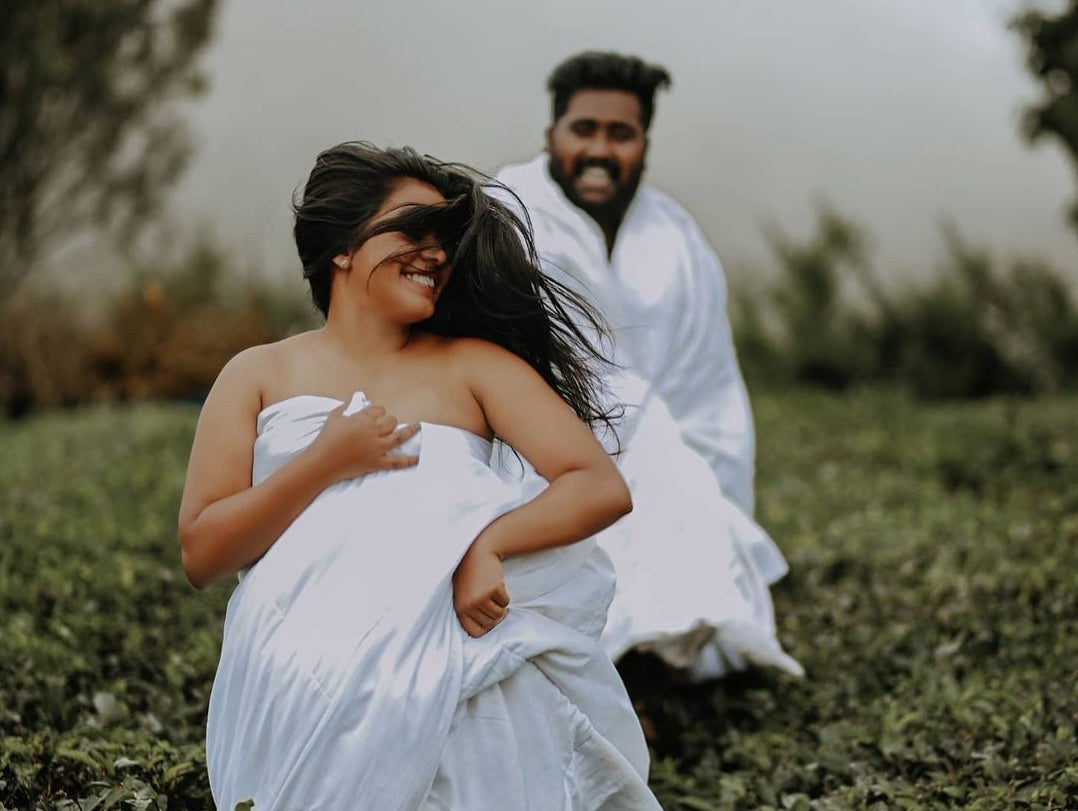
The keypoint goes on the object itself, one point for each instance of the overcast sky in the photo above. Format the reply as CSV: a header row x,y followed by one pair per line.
x,y
899,112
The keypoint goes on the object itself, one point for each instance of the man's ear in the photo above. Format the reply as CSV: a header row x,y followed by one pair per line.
x,y
548,136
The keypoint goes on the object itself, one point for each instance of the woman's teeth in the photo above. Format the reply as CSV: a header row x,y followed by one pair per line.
x,y
421,278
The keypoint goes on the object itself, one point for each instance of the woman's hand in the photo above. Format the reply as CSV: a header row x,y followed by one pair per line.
x,y
361,443
225,523
479,594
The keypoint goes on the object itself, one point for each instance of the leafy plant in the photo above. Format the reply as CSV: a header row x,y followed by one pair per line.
x,y
972,330
932,598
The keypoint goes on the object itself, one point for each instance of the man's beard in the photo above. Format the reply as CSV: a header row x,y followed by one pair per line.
x,y
608,215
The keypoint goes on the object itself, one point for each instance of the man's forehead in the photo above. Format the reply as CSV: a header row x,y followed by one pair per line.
x,y
603,105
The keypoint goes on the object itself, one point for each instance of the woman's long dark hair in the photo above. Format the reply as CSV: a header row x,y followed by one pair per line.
x,y
497,290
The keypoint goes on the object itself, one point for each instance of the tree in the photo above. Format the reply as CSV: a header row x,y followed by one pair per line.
x,y
1052,55
90,135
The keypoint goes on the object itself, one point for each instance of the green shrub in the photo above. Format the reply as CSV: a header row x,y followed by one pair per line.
x,y
932,598
169,333
822,337
971,330
43,352
165,334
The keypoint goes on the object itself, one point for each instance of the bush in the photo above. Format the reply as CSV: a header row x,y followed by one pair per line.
x,y
972,330
932,598
43,352
169,334
804,328
166,334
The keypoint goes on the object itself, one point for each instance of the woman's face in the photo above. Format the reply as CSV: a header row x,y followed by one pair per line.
x,y
404,288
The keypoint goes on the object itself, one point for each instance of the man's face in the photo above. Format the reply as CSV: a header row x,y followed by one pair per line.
x,y
597,151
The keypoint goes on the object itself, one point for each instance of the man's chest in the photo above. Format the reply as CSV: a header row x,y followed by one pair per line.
x,y
644,284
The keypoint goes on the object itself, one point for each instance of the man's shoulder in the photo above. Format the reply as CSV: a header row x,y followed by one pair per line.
x,y
522,185
515,174
665,213
661,205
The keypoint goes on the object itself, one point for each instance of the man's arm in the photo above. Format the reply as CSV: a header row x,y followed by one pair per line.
x,y
704,388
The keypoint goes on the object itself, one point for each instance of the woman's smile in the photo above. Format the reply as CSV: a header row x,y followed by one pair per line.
x,y
424,281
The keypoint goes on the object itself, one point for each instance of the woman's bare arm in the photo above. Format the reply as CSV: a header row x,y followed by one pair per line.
x,y
585,495
586,492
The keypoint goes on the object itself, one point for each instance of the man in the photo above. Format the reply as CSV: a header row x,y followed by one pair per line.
x,y
693,568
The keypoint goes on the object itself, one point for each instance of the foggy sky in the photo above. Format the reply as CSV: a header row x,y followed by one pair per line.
x,y
899,112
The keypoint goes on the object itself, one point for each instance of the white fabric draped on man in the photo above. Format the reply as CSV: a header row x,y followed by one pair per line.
x,y
693,568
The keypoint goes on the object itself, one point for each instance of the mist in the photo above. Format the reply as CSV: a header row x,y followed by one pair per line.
x,y
902,114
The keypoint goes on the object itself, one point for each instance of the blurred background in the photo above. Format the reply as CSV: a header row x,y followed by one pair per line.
x,y
900,112
877,178
891,187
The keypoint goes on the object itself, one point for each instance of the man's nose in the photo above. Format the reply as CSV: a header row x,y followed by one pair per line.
x,y
598,146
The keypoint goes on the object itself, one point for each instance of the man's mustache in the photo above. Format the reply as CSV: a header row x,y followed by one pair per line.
x,y
609,164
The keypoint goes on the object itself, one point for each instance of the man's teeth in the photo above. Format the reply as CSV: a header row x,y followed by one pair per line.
x,y
420,278
595,174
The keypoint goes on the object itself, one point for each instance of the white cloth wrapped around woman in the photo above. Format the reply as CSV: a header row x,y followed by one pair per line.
x,y
346,680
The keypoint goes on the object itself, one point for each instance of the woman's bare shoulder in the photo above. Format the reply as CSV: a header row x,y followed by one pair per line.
x,y
476,350
478,363
257,367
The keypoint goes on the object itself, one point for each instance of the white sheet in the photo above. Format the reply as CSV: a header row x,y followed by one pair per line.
x,y
346,680
693,568
664,293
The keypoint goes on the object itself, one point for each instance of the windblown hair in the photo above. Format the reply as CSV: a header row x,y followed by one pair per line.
x,y
496,292
597,70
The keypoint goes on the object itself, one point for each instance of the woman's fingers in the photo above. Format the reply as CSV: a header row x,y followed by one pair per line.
x,y
498,608
396,461
481,618
488,612
501,596
402,435
385,424
470,626
372,411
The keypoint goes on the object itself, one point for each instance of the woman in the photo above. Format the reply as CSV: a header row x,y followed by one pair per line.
x,y
411,631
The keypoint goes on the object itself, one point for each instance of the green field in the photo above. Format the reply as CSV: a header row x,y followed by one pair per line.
x,y
933,600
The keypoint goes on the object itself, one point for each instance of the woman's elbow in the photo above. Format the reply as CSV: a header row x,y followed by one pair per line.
x,y
619,498
191,561
195,576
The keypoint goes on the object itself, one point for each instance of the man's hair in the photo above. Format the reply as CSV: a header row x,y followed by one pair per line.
x,y
596,70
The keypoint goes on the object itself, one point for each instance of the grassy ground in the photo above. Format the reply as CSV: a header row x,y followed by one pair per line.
x,y
932,599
